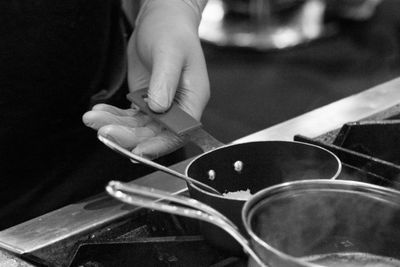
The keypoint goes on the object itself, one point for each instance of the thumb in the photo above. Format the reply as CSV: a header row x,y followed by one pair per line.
x,y
166,72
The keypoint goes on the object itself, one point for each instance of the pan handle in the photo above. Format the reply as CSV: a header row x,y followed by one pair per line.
x,y
135,158
179,205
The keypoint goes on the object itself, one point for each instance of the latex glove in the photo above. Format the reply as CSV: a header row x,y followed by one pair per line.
x,y
164,54
356,9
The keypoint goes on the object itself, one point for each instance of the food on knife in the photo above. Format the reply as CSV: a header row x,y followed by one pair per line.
x,y
240,195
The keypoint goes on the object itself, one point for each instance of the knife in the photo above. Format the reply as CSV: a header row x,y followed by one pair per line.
x,y
177,121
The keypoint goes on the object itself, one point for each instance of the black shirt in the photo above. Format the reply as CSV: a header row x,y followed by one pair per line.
x,y
54,55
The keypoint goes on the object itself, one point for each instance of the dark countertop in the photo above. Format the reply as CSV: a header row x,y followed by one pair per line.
x,y
252,90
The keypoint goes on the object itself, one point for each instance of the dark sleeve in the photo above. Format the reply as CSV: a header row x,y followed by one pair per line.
x,y
54,55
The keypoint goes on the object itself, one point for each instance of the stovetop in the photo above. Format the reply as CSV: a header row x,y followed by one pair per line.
x,y
366,149
103,232
161,240
167,240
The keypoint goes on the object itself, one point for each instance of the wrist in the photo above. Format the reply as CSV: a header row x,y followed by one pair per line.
x,y
197,5
192,9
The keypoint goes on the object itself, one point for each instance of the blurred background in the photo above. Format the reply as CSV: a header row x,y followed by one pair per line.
x,y
272,60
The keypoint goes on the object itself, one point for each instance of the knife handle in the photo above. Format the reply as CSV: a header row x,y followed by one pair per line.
x,y
174,119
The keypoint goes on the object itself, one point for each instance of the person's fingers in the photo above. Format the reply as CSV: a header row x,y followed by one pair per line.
x,y
138,74
194,88
125,136
97,118
163,143
117,111
165,76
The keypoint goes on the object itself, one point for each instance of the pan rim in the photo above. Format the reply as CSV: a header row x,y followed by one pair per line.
x,y
279,188
338,171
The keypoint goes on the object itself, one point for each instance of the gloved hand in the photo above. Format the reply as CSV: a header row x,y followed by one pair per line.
x,y
355,9
164,54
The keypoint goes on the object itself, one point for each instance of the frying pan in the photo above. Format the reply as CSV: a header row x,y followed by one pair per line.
x,y
329,223
263,164
306,223
179,205
250,166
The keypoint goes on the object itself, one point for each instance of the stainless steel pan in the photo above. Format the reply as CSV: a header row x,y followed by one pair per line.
x,y
306,223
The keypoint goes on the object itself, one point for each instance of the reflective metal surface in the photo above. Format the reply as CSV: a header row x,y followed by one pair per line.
x,y
334,115
292,221
264,24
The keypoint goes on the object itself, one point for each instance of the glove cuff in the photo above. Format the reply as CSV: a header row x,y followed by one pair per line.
x,y
197,5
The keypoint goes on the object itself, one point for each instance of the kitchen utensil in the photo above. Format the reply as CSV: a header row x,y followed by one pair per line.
x,y
325,222
309,223
163,201
177,121
114,146
263,164
230,168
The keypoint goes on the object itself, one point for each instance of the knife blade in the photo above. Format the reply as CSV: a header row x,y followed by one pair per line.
x,y
177,121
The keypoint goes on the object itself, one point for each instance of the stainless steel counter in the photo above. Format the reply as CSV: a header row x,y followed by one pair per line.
x,y
79,219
